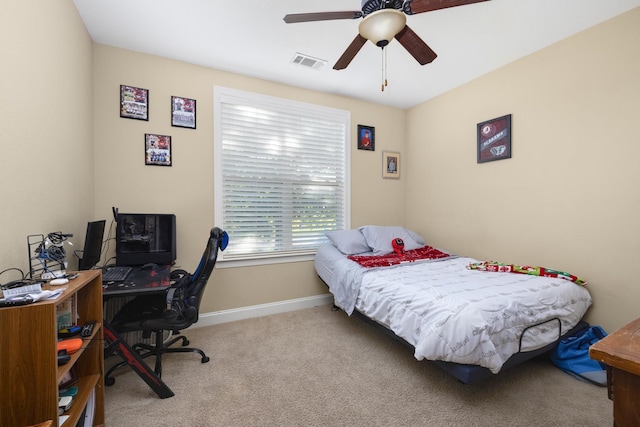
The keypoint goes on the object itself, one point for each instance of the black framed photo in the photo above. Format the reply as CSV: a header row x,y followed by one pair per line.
x,y
134,102
183,112
366,138
494,139
157,149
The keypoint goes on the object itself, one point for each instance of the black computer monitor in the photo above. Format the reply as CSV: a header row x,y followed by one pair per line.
x,y
92,245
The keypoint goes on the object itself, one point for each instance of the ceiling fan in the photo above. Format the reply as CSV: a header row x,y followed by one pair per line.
x,y
382,21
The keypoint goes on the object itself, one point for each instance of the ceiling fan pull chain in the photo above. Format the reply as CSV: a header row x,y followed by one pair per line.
x,y
382,58
385,66
384,69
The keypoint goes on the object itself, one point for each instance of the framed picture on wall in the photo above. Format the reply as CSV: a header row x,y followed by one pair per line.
x,y
494,139
134,102
366,138
157,149
391,164
183,112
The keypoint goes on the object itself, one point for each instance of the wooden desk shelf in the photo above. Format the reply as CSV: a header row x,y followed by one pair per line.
x,y
30,374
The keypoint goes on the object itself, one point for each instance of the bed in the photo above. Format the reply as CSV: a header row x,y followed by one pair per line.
x,y
472,322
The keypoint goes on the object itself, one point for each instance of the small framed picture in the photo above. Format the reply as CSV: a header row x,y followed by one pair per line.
x,y
366,138
134,103
157,149
183,112
391,164
494,139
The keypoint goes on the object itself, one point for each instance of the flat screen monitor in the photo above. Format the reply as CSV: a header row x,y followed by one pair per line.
x,y
92,251
143,238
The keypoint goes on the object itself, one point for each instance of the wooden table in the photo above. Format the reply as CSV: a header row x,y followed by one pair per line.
x,y
620,351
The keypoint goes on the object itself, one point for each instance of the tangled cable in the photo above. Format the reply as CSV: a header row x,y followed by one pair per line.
x,y
56,251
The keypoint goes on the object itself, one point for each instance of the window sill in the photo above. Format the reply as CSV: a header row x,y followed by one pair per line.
x,y
234,263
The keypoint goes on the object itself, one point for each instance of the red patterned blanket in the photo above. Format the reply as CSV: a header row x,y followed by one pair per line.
x,y
425,252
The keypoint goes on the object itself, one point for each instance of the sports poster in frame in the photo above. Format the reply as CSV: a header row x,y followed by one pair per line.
x,y
183,112
157,149
134,103
494,139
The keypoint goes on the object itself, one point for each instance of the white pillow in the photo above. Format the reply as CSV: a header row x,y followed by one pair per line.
x,y
418,238
379,238
349,242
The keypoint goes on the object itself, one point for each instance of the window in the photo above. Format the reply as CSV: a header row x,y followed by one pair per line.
x,y
281,175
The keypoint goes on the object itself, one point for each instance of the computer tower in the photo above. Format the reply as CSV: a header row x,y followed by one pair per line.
x,y
145,238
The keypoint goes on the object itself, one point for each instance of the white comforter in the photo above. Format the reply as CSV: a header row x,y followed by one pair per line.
x,y
453,314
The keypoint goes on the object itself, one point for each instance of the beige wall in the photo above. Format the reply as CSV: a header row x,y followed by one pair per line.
x,y
186,188
569,198
46,178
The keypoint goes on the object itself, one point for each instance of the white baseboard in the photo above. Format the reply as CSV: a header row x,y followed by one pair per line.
x,y
224,316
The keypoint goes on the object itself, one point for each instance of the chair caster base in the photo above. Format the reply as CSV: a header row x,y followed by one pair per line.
x,y
205,359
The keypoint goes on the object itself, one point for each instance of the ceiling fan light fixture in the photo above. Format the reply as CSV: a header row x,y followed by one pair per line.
x,y
381,26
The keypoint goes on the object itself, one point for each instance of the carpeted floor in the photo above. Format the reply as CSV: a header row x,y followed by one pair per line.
x,y
318,367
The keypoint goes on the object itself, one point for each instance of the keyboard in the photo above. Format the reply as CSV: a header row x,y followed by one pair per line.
x,y
117,273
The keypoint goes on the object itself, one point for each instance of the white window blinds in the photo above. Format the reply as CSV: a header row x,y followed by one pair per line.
x,y
281,176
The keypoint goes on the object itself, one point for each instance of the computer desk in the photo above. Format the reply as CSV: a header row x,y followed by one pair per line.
x,y
139,282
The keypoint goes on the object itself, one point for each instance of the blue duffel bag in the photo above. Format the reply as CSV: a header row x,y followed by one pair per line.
x,y
572,356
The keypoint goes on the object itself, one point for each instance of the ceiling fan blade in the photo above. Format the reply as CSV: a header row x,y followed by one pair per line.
x,y
321,16
350,53
415,46
421,6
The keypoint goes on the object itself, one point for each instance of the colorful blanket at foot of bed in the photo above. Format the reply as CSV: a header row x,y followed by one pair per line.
x,y
425,252
525,269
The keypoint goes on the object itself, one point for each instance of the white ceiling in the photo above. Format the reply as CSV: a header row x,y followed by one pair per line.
x,y
249,37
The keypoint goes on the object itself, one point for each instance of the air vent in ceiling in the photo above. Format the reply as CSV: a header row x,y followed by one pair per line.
x,y
308,61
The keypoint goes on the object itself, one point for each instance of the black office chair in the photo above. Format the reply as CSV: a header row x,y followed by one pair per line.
x,y
175,311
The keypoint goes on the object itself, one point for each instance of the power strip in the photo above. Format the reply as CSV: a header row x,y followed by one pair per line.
x,y
53,274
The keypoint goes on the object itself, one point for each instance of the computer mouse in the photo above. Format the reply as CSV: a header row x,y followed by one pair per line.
x,y
59,281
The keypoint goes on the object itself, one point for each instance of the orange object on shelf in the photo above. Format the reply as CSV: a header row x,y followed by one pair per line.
x,y
71,345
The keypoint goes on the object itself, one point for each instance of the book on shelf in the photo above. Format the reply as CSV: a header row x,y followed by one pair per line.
x,y
65,402
68,379
81,420
66,313
87,416
70,391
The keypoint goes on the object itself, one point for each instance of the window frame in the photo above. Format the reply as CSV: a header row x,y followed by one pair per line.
x,y
220,94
